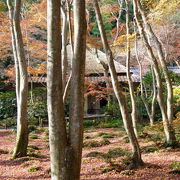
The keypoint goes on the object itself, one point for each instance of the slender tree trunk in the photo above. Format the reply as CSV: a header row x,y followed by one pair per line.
x,y
153,98
68,84
120,2
136,158
151,112
57,125
77,90
21,79
161,56
64,43
130,83
169,133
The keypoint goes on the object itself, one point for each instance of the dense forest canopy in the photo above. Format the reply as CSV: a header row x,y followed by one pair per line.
x,y
162,14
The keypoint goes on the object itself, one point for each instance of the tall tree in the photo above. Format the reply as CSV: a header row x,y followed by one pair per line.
x,y
57,125
136,154
65,147
168,129
21,79
130,83
77,88
162,59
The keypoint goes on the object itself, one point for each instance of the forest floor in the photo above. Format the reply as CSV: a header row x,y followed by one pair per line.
x,y
105,153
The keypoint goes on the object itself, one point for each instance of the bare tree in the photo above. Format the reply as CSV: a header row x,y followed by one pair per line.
x,y
21,79
136,154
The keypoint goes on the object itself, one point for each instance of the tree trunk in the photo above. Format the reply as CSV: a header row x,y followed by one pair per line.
x,y
169,133
130,83
153,98
136,157
161,56
77,90
21,80
57,125
151,112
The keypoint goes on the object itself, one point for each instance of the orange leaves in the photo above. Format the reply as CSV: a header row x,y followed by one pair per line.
x,y
41,69
96,89
10,72
94,42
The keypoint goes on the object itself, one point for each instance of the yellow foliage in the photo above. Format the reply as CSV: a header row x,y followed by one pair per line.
x,y
164,9
123,39
176,92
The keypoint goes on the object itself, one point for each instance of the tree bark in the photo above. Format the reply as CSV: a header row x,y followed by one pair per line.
x,y
169,133
77,90
130,83
57,125
136,154
64,43
161,56
21,79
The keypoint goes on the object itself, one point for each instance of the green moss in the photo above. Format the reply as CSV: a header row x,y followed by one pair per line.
x,y
87,137
175,165
94,143
95,154
33,169
116,152
32,154
150,149
33,137
126,139
101,134
128,172
4,151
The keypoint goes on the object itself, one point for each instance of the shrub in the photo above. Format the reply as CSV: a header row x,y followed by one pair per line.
x,y
32,128
37,107
106,122
113,110
7,104
8,122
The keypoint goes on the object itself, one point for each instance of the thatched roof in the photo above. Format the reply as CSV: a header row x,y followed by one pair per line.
x,y
92,64
89,79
